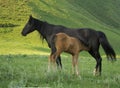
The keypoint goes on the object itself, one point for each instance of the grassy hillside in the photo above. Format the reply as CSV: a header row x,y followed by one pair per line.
x,y
106,11
14,15
99,15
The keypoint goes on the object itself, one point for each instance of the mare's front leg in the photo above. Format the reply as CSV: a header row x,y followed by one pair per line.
x,y
58,61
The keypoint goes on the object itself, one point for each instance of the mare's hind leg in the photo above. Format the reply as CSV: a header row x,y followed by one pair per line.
x,y
58,61
98,59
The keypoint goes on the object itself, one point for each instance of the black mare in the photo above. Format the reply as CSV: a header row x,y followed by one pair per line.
x,y
89,37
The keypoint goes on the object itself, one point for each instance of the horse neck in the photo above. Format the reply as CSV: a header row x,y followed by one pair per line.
x,y
40,27
44,29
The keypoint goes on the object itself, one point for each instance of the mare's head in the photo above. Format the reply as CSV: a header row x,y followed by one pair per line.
x,y
29,27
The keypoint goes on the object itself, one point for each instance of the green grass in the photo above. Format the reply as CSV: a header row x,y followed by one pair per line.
x,y
31,71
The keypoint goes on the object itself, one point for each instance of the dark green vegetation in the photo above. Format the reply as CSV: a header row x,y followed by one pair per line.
x,y
20,69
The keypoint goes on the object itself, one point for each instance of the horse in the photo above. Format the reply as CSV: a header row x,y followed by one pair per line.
x,y
62,42
89,37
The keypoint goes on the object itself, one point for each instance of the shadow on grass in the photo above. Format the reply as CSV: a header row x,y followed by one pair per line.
x,y
8,25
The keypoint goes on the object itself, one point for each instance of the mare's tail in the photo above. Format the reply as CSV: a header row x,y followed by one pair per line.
x,y
106,46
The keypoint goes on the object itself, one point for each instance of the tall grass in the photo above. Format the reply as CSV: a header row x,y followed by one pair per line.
x,y
31,71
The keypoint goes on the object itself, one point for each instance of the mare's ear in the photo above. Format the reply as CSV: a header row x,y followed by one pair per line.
x,y
30,19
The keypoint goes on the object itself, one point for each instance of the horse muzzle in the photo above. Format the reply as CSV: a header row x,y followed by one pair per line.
x,y
23,34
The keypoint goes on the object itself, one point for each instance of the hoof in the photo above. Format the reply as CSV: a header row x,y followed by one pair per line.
x,y
96,73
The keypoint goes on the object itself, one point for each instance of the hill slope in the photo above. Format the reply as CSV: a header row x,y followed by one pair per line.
x,y
96,14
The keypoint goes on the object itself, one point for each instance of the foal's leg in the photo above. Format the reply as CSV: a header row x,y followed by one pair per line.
x,y
54,57
75,64
49,62
53,62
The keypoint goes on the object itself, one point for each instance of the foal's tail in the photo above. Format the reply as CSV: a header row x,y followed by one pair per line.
x,y
106,46
53,49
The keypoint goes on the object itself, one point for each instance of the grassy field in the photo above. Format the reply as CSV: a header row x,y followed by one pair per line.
x,y
31,71
24,60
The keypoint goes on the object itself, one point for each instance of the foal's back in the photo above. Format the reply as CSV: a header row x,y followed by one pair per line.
x,y
68,44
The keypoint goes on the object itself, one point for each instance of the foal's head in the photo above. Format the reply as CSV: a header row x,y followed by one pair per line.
x,y
29,27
